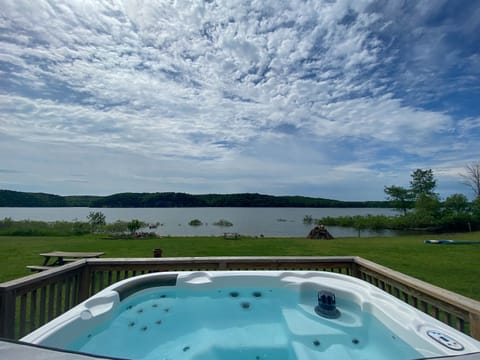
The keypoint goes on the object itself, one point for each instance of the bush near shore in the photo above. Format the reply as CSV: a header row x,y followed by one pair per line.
x,y
65,228
410,221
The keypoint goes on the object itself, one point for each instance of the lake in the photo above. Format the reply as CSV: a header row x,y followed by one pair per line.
x,y
281,222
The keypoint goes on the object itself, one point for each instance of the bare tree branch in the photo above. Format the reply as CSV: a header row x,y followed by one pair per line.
x,y
471,178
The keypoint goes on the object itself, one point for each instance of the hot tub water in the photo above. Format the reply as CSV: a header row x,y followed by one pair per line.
x,y
237,323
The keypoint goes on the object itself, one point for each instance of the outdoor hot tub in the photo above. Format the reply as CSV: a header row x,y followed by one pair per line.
x,y
250,315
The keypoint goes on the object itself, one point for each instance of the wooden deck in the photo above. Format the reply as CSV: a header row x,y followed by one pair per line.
x,y
31,301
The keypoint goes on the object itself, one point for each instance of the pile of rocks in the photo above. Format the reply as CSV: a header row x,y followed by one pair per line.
x,y
319,232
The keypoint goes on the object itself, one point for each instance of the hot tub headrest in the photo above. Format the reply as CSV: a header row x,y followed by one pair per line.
x,y
146,282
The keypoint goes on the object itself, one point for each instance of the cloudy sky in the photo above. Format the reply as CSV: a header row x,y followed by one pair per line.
x,y
321,98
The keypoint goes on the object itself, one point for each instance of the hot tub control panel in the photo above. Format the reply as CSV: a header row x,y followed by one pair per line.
x,y
445,340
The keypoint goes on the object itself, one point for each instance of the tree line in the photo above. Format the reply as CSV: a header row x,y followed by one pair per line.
x,y
10,198
421,207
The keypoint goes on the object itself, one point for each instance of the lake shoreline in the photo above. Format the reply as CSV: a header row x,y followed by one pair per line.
x,y
276,222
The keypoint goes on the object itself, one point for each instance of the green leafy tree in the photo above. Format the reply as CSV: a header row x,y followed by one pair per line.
x,y
423,182
475,208
400,197
457,215
428,203
96,219
135,225
456,204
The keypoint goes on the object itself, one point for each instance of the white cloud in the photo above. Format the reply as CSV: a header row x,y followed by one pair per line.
x,y
229,84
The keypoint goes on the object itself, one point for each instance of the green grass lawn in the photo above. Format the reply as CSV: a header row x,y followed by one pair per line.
x,y
454,267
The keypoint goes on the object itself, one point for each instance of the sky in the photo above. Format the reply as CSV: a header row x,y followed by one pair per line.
x,y
325,98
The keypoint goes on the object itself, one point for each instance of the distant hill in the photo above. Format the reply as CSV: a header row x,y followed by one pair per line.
x,y
172,199
80,200
25,199
10,198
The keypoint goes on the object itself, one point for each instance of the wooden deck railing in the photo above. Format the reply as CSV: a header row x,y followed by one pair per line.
x,y
29,302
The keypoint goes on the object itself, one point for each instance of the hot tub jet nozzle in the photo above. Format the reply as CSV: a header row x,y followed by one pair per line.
x,y
327,306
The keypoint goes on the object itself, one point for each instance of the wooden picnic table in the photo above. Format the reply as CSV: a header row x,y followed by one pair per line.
x,y
62,255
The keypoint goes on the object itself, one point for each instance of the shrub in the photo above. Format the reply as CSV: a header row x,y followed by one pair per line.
x,y
118,227
195,222
96,220
308,219
135,225
223,222
80,228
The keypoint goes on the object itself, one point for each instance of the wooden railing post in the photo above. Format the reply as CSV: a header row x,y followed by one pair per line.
x,y
84,288
474,325
355,269
7,313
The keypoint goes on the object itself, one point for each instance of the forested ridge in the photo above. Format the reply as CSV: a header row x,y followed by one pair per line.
x,y
10,198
